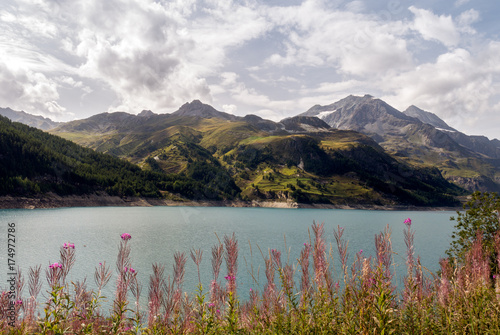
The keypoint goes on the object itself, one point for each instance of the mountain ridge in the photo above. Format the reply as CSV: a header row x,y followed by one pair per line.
x,y
36,121
301,158
427,117
419,137
296,159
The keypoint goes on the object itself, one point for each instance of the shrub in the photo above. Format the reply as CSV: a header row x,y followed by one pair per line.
x,y
481,216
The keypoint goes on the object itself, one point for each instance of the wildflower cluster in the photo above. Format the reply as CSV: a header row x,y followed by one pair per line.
x,y
55,265
126,236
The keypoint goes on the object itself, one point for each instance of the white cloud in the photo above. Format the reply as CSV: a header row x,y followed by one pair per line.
x,y
444,28
229,78
231,109
458,86
343,88
355,6
30,91
383,52
459,3
354,43
466,19
154,55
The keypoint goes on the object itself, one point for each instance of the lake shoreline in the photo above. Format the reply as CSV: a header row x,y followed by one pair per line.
x,y
100,200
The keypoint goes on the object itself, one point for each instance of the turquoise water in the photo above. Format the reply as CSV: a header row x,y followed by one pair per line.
x,y
158,232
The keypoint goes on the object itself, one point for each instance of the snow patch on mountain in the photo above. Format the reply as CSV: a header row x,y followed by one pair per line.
x,y
324,114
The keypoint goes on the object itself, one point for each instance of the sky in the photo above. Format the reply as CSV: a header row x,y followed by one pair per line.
x,y
70,59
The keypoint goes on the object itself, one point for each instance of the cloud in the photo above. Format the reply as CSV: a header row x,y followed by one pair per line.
x,y
353,43
153,55
26,90
458,86
466,19
342,88
140,53
231,109
443,28
459,3
355,6
250,100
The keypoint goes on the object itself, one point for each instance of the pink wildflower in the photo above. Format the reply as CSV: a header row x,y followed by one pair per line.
x,y
408,222
126,236
55,265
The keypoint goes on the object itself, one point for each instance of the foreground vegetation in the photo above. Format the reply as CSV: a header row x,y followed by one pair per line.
x,y
300,298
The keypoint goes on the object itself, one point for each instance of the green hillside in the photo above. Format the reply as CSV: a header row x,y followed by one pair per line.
x,y
33,162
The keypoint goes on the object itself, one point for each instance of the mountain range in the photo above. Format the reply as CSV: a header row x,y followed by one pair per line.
x,y
419,138
359,150
36,121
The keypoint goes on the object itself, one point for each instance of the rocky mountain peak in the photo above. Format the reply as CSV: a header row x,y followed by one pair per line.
x,y
365,114
198,109
146,113
427,117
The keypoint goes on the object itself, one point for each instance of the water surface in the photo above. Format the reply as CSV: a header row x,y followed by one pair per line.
x,y
158,232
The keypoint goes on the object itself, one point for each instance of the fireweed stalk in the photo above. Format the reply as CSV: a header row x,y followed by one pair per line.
x,y
60,307
231,257
232,307
319,255
157,286
305,284
126,275
180,260
342,246
216,291
269,296
34,287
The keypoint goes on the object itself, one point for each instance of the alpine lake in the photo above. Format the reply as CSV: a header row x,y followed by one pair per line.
x,y
158,232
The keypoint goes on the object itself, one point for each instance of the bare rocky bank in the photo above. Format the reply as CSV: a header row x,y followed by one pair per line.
x,y
102,200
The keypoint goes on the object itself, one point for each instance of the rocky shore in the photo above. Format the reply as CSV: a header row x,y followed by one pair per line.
x,y
99,200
